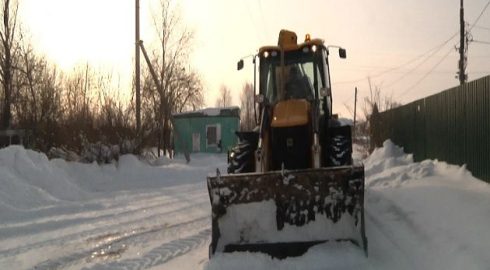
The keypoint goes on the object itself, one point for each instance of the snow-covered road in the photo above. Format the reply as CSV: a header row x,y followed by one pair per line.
x,y
59,215
139,230
131,216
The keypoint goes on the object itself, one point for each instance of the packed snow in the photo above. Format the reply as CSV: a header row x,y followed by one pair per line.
x,y
135,215
66,215
256,222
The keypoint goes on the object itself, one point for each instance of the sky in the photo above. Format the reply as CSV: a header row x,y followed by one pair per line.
x,y
379,35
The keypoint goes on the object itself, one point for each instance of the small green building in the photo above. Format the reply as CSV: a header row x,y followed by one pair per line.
x,y
206,130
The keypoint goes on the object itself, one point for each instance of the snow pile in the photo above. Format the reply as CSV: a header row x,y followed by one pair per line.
x,y
256,222
389,166
339,255
29,180
381,167
383,158
346,122
56,214
441,210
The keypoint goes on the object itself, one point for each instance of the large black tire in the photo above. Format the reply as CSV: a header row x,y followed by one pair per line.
x,y
241,158
339,146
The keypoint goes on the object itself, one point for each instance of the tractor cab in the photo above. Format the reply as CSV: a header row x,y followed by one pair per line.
x,y
292,71
295,93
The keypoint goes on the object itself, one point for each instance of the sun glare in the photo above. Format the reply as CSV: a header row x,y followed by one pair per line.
x,y
75,32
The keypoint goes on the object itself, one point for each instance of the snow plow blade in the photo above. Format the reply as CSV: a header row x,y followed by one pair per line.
x,y
283,213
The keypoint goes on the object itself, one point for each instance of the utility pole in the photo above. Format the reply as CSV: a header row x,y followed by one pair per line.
x,y
355,109
137,68
462,50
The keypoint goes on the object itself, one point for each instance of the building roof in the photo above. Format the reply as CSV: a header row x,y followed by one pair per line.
x,y
211,112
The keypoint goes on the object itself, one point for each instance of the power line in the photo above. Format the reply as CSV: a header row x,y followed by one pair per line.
x,y
431,52
351,81
427,74
438,47
419,64
482,42
348,99
442,59
481,27
479,16
466,37
261,37
481,56
264,23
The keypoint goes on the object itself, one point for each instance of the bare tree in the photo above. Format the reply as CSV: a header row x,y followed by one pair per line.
x,y
177,87
27,106
224,97
36,101
373,104
113,120
65,109
49,97
56,108
188,93
247,121
79,95
8,51
383,102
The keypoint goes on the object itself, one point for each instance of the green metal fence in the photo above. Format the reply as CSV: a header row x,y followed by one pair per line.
x,y
453,126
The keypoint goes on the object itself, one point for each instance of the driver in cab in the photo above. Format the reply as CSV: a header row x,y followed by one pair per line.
x,y
297,86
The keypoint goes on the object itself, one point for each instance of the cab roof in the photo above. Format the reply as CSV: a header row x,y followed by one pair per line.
x,y
288,42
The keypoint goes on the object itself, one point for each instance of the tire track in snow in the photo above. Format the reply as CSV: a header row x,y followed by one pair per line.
x,y
161,254
413,243
104,207
105,229
375,226
119,243
52,225
389,220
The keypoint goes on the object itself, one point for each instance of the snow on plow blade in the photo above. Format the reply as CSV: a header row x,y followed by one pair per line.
x,y
283,213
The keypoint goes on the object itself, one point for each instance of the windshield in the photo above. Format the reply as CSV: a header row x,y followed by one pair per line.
x,y
297,80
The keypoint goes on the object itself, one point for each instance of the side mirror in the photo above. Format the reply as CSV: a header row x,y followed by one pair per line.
x,y
239,65
342,53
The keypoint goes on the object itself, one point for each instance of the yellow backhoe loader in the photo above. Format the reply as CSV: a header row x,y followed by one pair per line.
x,y
291,182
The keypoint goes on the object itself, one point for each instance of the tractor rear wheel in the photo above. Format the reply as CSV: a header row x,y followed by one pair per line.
x,y
339,146
241,158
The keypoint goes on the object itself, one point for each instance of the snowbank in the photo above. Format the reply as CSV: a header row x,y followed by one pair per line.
x,y
30,181
389,166
322,257
443,209
346,122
